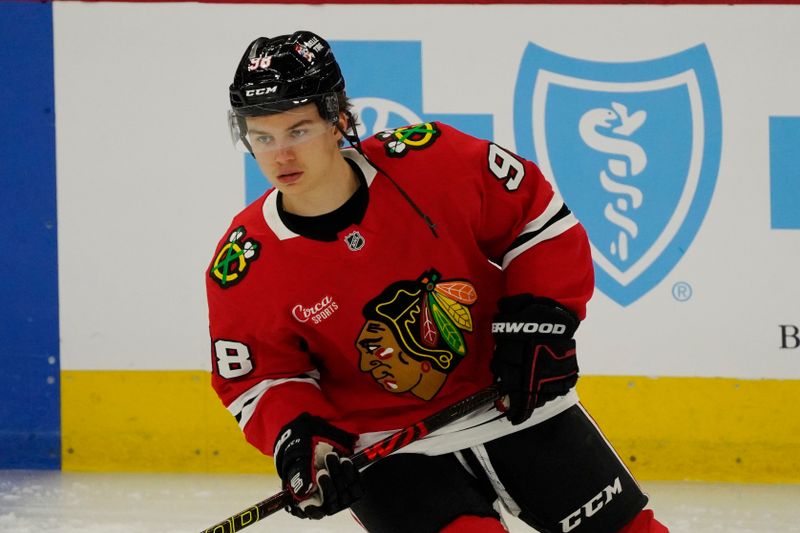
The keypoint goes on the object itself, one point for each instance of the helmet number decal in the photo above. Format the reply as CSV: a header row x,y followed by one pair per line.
x,y
259,63
505,166
232,358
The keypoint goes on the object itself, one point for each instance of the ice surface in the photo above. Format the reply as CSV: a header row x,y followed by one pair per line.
x,y
51,501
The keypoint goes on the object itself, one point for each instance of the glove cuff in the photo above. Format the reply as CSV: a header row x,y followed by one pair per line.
x,y
303,434
523,315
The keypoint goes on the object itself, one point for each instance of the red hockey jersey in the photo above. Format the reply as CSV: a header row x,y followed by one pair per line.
x,y
389,323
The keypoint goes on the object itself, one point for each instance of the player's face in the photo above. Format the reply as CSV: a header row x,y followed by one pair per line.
x,y
384,358
295,149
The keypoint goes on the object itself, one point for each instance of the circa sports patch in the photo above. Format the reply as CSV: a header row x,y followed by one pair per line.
x,y
232,261
416,137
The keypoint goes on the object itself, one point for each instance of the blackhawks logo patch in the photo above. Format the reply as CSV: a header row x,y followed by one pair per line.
x,y
413,334
417,137
233,260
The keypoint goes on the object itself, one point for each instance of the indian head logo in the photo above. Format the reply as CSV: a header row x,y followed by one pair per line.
x,y
413,336
233,259
634,150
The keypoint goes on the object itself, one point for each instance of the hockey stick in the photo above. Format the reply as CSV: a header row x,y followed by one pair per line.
x,y
367,456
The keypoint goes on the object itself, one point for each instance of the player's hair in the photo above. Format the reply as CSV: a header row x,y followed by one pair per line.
x,y
346,107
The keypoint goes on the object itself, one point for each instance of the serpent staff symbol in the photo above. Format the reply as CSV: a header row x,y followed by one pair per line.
x,y
629,160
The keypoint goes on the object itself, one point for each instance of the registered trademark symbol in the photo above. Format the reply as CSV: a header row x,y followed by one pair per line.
x,y
682,291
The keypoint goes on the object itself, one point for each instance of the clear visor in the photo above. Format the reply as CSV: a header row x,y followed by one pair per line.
x,y
277,125
267,133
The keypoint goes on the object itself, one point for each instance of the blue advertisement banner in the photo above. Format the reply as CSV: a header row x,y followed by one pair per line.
x,y
634,149
784,145
29,335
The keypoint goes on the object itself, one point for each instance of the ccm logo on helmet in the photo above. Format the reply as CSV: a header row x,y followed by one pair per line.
x,y
261,91
528,327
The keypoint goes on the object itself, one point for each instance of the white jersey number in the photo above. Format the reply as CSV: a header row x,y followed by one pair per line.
x,y
233,359
506,167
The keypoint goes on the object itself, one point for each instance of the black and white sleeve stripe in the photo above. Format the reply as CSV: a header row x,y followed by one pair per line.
x,y
243,407
554,220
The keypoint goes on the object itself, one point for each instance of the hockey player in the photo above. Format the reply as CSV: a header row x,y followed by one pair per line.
x,y
377,284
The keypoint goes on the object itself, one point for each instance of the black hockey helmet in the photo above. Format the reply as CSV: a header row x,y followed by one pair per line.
x,y
277,74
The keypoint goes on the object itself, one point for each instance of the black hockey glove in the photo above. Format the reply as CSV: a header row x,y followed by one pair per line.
x,y
534,357
310,456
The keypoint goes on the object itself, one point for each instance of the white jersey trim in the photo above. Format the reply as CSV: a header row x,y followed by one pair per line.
x,y
552,209
368,170
273,219
245,405
473,430
554,230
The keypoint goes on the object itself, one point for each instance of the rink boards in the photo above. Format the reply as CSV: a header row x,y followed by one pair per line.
x,y
691,352
664,428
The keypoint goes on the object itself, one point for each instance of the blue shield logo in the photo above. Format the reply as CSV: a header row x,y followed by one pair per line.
x,y
633,148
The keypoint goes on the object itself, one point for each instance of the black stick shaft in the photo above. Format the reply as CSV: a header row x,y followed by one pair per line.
x,y
367,456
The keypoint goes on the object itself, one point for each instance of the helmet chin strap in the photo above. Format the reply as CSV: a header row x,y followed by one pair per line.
x,y
248,146
355,142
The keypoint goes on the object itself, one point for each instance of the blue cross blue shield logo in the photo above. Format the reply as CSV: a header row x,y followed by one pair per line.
x,y
634,150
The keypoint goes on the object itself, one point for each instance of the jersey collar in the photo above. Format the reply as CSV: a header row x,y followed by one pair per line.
x,y
270,206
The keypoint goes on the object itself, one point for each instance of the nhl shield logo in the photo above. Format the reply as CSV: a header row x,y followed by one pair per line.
x,y
355,241
633,148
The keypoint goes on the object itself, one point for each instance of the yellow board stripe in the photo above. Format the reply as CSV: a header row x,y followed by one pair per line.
x,y
157,421
709,429
712,429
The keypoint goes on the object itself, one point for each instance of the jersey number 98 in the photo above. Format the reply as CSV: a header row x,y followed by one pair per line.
x,y
233,359
506,167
